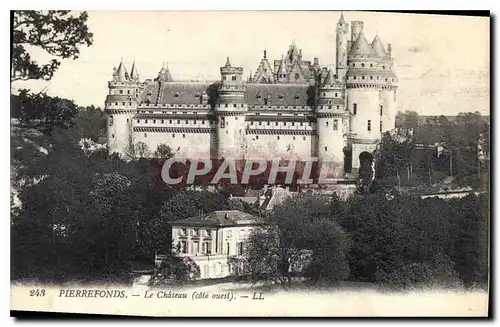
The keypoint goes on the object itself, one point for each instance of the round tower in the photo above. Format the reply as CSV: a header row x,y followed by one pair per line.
x,y
342,47
356,29
120,107
330,113
370,89
231,110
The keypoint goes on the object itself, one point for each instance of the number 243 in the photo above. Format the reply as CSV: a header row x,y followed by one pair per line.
x,y
37,293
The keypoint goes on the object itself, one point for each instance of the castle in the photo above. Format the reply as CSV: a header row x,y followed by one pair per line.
x,y
290,107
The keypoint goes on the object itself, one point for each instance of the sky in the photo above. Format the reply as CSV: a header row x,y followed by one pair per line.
x,y
443,62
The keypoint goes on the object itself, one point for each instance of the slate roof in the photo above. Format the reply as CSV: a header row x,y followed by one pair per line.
x,y
176,92
223,218
379,47
279,94
361,48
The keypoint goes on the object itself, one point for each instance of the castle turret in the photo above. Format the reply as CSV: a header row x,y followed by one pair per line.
x,y
342,47
231,109
370,89
356,29
330,113
164,74
282,74
120,106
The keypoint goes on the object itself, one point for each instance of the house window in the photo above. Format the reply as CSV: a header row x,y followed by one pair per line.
x,y
111,120
369,126
335,124
240,248
354,108
381,110
381,126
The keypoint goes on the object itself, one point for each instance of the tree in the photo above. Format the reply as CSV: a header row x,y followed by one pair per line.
x,y
163,151
90,122
43,112
142,149
58,33
302,238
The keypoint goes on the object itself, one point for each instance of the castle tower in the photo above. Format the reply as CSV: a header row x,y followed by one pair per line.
x,y
120,107
230,110
388,90
356,29
370,89
330,113
342,47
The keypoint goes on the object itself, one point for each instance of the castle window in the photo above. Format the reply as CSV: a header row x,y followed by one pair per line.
x,y
128,120
203,122
329,107
234,105
176,94
121,91
162,121
284,124
146,121
393,79
183,136
278,137
279,114
293,124
178,121
371,77
260,123
362,77
378,77
197,95
383,67
138,120
335,124
154,121
336,94
145,134
329,101
123,103
268,123
256,137
251,123
226,105
130,103
353,65
281,96
297,97
381,126
111,120
326,148
170,121
187,122
354,77
301,124
294,138
369,126
381,110
354,108
112,136
303,138
266,101
362,65
233,78
386,79
259,96
173,136
371,65
128,91
327,124
224,78
324,94
338,107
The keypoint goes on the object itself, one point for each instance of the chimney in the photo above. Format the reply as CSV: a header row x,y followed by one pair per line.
x,y
316,62
265,54
389,50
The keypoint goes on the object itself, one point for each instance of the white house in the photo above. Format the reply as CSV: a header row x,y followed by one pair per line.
x,y
214,241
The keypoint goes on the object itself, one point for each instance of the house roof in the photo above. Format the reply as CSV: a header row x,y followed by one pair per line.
x,y
222,218
279,94
361,48
176,92
379,47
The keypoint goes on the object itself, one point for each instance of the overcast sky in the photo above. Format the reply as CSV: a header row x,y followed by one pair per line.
x,y
442,61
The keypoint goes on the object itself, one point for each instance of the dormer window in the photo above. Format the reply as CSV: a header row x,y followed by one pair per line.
x,y
197,95
259,95
297,97
176,94
281,96
383,67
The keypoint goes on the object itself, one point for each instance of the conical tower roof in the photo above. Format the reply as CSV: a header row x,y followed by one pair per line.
x,y
121,72
134,73
361,48
330,78
378,47
341,20
228,63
